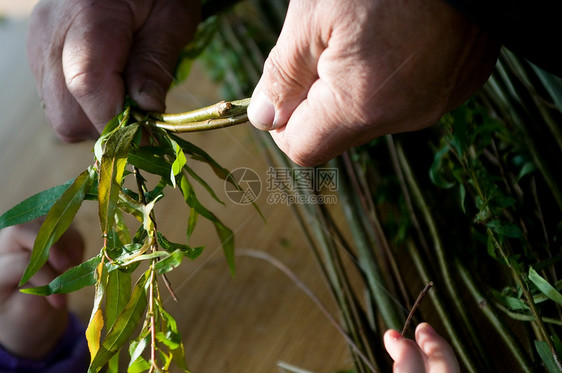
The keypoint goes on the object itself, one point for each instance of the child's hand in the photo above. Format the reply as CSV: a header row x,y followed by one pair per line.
x,y
30,326
430,353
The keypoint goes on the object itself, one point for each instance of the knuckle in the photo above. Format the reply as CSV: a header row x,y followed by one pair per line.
x,y
70,131
81,84
285,75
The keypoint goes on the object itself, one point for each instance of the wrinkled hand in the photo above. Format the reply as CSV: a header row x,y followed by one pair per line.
x,y
345,72
430,353
87,54
31,325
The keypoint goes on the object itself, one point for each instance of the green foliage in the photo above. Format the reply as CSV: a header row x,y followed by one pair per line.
x,y
33,207
72,280
477,195
120,308
57,221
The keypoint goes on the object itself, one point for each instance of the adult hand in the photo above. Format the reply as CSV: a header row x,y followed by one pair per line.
x,y
87,54
430,353
30,325
345,72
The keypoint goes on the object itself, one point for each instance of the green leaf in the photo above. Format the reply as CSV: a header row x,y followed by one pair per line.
x,y
136,348
190,252
504,228
127,260
172,338
120,235
225,234
150,159
114,160
74,279
544,286
124,326
547,356
33,207
58,220
203,183
460,129
191,222
178,163
96,324
131,206
165,339
200,155
138,365
512,303
118,121
437,170
118,291
462,197
526,169
169,263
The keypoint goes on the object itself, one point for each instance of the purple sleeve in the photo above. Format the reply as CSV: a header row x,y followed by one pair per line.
x,y
70,355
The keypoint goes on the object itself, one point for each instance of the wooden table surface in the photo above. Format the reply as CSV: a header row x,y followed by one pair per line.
x,y
242,324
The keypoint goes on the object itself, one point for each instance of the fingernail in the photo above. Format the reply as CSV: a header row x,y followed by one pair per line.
x,y
429,329
261,112
394,334
155,94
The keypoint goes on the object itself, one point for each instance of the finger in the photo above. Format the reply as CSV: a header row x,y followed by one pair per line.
x,y
12,266
406,355
440,355
43,277
318,129
291,67
44,48
155,49
95,53
68,251
65,253
18,238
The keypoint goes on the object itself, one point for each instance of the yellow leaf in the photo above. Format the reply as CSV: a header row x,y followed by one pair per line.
x,y
93,333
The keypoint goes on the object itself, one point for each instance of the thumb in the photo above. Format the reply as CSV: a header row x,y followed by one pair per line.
x,y
290,69
155,49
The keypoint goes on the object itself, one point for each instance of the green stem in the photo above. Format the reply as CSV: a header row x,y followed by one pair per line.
x,y
209,124
526,317
441,257
220,115
441,310
509,339
221,109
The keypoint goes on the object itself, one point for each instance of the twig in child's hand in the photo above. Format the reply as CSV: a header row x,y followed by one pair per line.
x,y
415,306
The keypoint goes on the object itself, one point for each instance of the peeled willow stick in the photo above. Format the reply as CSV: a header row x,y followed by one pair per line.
x,y
220,115
415,307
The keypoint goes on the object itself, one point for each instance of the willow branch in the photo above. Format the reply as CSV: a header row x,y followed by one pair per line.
x,y
221,109
209,124
416,306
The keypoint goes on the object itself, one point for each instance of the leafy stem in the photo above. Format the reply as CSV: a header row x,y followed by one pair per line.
x,y
220,115
119,308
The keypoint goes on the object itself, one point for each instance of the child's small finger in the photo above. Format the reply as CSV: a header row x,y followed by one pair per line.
x,y
67,251
440,355
406,355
